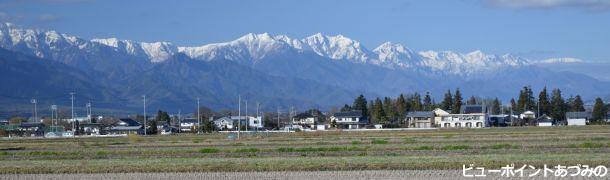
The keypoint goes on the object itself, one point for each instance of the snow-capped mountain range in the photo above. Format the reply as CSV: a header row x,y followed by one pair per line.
x,y
254,47
315,71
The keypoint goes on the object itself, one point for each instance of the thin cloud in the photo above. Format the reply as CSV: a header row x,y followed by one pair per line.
x,y
5,17
589,5
48,17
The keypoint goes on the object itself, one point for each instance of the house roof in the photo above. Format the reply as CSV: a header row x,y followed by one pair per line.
x,y
544,118
470,109
130,122
578,115
357,113
31,124
420,114
223,119
303,116
190,120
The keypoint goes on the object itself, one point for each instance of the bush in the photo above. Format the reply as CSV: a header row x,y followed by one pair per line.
x,y
209,150
102,153
379,141
356,142
456,147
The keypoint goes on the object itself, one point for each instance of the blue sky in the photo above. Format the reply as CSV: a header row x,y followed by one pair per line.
x,y
531,28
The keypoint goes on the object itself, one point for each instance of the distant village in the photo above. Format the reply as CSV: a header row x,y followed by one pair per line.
x,y
404,112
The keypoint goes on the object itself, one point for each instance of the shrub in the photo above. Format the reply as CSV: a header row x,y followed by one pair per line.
x,y
102,153
209,150
456,147
378,141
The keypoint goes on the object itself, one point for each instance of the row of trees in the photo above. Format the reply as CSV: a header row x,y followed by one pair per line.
x,y
389,110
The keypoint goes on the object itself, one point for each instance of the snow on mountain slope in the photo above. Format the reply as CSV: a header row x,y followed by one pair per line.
x,y
254,47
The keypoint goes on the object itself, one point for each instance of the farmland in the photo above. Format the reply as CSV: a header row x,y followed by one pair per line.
x,y
442,149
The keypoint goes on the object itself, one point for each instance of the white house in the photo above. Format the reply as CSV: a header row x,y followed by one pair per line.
x,y
527,114
306,120
251,121
473,116
544,121
578,118
189,124
223,123
349,120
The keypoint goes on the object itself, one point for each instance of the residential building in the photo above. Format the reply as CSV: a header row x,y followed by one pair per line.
x,y
420,119
349,119
544,120
578,118
32,128
251,121
189,124
472,116
528,115
223,123
438,114
498,120
125,126
305,120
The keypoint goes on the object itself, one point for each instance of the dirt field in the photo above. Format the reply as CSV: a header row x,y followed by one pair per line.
x,y
306,153
292,175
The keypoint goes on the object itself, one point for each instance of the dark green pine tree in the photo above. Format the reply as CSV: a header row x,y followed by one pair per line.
x,y
401,106
558,104
378,112
447,101
416,104
544,103
360,104
577,105
599,110
457,102
496,107
346,108
428,102
389,108
472,101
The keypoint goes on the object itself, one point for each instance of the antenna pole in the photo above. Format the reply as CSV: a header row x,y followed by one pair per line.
x,y
72,107
144,96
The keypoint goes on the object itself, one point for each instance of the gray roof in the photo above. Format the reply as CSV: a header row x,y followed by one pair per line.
x,y
427,114
129,122
469,109
579,115
357,113
190,120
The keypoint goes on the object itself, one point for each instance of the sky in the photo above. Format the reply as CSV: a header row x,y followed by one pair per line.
x,y
535,29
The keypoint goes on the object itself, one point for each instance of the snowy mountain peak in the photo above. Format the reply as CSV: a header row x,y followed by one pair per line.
x,y
561,60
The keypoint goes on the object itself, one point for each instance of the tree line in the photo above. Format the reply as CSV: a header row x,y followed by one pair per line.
x,y
391,111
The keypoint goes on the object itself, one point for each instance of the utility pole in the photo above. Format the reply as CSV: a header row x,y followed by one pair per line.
x,y
72,107
258,115
278,118
179,121
54,114
35,111
238,115
247,118
89,111
144,96
198,117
